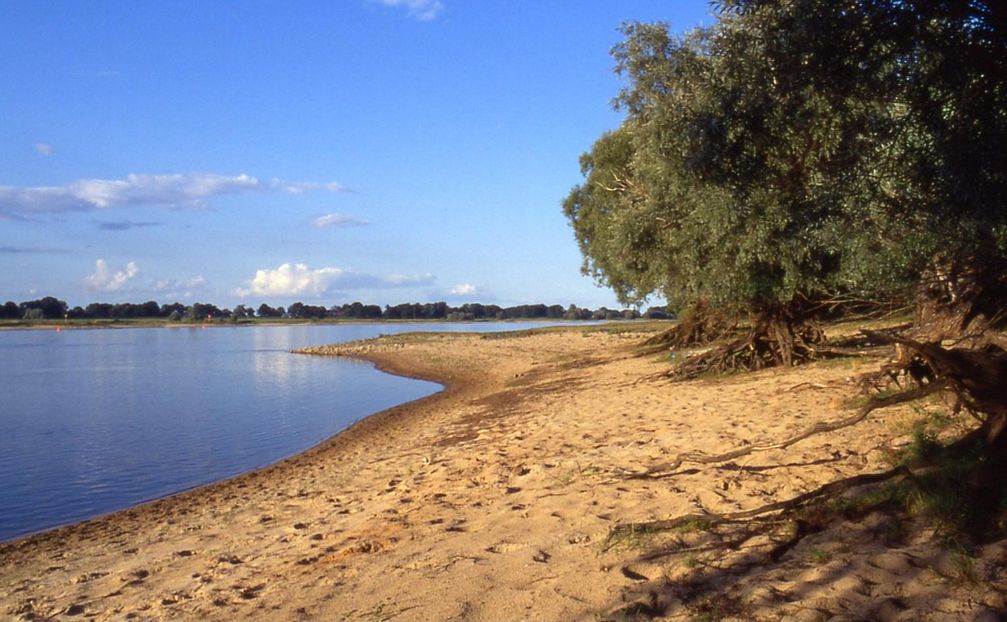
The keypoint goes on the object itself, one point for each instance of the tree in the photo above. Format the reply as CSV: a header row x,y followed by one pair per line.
x,y
48,308
10,310
148,309
241,312
265,311
199,311
797,153
805,151
168,309
933,75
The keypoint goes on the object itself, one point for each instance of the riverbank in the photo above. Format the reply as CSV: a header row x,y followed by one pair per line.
x,y
93,324
494,499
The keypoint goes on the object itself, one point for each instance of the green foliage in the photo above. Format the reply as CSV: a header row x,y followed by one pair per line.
x,y
799,150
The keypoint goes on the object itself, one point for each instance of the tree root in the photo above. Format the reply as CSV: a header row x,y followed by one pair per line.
x,y
788,505
697,327
960,484
795,518
772,341
670,469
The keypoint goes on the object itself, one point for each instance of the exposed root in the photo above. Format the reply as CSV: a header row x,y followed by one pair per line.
x,y
671,468
771,342
978,379
778,528
697,327
708,521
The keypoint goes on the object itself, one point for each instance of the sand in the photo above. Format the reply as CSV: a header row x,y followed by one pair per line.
x,y
494,500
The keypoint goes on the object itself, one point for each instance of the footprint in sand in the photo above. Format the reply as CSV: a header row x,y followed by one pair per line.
x,y
138,577
505,547
250,593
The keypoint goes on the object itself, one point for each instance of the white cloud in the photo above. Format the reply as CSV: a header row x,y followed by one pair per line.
x,y
157,189
172,285
178,288
104,280
174,190
336,220
300,187
464,289
291,279
300,280
400,280
423,10
44,149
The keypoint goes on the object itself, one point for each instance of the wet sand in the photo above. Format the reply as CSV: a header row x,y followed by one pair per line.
x,y
494,500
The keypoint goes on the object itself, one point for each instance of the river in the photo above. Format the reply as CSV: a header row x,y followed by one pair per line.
x,y
93,421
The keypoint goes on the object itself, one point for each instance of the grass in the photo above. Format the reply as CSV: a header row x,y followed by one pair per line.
x,y
692,524
963,569
630,327
570,475
718,607
634,536
846,362
819,556
860,401
857,505
936,492
641,535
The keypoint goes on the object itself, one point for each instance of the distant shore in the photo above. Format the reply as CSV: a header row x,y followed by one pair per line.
x,y
495,498
58,325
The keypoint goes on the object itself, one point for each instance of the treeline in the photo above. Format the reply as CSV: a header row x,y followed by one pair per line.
x,y
50,308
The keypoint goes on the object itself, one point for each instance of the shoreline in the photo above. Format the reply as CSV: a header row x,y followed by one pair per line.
x,y
363,426
391,368
15,325
494,499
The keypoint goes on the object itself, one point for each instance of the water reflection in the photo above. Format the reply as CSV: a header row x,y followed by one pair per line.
x,y
97,420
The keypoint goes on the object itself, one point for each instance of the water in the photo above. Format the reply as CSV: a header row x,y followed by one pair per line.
x,y
93,421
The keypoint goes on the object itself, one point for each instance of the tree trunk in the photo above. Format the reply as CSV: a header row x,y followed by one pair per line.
x,y
958,300
781,335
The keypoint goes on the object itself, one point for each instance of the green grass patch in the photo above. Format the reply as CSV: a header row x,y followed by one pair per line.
x,y
692,524
640,535
819,556
634,327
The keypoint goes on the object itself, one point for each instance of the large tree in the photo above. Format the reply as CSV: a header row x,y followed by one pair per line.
x,y
934,158
801,151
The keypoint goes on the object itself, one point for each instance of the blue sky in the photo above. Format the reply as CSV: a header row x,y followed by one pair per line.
x,y
243,152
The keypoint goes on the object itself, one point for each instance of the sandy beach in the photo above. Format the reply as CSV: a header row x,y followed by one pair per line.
x,y
495,500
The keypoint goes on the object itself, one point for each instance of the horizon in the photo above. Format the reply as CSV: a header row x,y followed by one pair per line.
x,y
286,307
240,153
